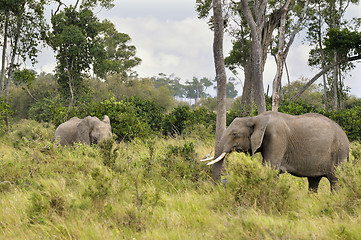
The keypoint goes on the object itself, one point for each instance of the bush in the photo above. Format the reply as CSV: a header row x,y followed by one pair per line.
x,y
296,108
254,185
184,117
4,111
49,109
131,118
31,133
349,120
180,163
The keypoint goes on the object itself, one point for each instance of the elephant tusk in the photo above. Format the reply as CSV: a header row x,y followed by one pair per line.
x,y
217,159
207,159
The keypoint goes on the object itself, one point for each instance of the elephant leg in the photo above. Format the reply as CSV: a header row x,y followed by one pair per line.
x,y
333,182
313,183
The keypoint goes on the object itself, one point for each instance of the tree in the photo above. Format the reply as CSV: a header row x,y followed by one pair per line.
x,y
196,88
326,18
23,26
83,45
171,82
231,90
221,84
252,25
118,57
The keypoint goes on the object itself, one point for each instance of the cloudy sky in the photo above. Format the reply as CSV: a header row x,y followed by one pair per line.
x,y
171,39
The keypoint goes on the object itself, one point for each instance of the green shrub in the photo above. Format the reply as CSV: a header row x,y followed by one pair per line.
x,y
349,120
296,108
4,111
183,117
49,109
179,163
31,133
131,118
254,185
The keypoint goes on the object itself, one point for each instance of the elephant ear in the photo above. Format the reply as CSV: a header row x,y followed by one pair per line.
x,y
259,124
106,119
84,128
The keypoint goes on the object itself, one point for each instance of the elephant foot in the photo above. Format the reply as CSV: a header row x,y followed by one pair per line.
x,y
333,182
313,183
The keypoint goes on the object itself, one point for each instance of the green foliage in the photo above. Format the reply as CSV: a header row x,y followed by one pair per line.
x,y
253,184
203,8
49,109
22,99
25,77
180,162
183,116
4,111
312,95
297,108
108,151
118,57
82,42
349,120
171,82
31,133
130,118
346,42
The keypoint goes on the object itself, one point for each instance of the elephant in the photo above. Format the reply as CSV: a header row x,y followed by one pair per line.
x,y
89,130
309,145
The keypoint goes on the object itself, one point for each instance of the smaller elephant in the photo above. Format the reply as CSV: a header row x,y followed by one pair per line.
x,y
89,130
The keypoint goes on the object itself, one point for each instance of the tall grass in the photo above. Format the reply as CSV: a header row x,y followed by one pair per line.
x,y
157,189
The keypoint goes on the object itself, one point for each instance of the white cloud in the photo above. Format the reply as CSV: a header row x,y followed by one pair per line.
x,y
181,47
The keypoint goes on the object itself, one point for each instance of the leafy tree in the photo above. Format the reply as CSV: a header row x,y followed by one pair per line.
x,y
327,24
83,45
23,96
313,95
139,87
171,82
118,57
22,26
196,88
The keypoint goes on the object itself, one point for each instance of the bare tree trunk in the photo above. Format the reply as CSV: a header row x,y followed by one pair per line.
x,y
3,57
280,59
13,55
335,83
323,61
248,90
256,25
221,84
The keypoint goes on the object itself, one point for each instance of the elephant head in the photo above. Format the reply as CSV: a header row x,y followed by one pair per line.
x,y
242,135
91,130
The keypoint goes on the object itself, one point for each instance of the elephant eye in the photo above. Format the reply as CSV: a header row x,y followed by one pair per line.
x,y
234,134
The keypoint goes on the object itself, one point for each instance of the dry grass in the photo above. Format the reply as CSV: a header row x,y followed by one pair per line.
x,y
157,189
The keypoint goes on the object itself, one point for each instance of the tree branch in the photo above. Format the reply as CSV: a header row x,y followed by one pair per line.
x,y
323,71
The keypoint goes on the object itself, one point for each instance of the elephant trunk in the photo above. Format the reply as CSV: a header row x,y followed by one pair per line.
x,y
217,171
219,158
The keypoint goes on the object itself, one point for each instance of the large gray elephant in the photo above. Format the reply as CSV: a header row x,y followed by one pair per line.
x,y
309,145
89,130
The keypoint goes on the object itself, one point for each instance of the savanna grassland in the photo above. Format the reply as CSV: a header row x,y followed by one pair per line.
x,y
157,189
